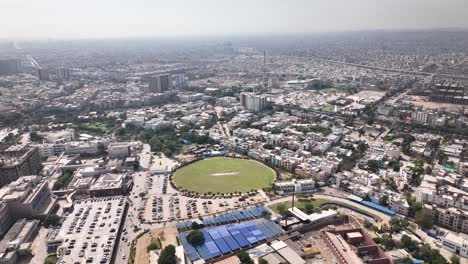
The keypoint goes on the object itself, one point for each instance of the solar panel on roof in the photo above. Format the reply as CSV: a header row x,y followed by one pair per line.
x,y
248,235
203,251
211,245
220,243
265,230
273,227
206,222
254,212
240,239
228,238
247,214
239,216
189,249
230,217
257,233
188,224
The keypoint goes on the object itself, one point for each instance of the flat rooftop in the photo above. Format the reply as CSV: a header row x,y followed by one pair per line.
x,y
108,181
90,231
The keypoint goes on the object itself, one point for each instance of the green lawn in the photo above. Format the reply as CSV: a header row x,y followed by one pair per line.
x,y
224,175
327,108
329,90
96,127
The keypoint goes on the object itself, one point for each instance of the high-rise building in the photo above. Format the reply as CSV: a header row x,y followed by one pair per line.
x,y
43,74
179,80
63,74
253,102
160,83
9,67
18,161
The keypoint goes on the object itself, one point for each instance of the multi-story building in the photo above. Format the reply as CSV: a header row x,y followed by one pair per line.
x,y
9,67
452,218
296,186
398,204
61,136
185,98
455,243
17,241
43,74
253,102
28,196
110,184
453,93
119,150
179,80
419,117
6,220
63,74
160,83
18,161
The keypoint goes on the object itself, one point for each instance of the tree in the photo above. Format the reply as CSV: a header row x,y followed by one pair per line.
x,y
35,137
317,210
408,243
424,219
168,255
362,147
266,215
387,242
263,261
268,146
51,220
373,165
244,258
155,244
195,237
361,132
309,208
455,259
282,209
384,200
196,225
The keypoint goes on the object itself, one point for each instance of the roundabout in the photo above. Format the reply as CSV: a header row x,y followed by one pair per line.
x,y
223,175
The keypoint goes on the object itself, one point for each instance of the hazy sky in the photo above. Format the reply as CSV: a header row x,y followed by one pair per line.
x,y
153,18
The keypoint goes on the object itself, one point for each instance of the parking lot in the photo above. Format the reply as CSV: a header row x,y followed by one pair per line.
x,y
164,203
90,231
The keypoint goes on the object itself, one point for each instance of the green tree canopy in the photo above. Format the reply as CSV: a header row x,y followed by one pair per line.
x,y
424,219
168,255
244,258
195,237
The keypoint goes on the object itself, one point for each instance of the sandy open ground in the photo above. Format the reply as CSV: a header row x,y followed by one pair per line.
x,y
168,236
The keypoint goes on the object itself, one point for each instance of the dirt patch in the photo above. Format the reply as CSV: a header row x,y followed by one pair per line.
x,y
167,236
424,102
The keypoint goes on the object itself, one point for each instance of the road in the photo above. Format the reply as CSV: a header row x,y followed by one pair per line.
x,y
139,185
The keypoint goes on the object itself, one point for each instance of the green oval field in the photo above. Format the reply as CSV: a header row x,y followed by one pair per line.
x,y
224,175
